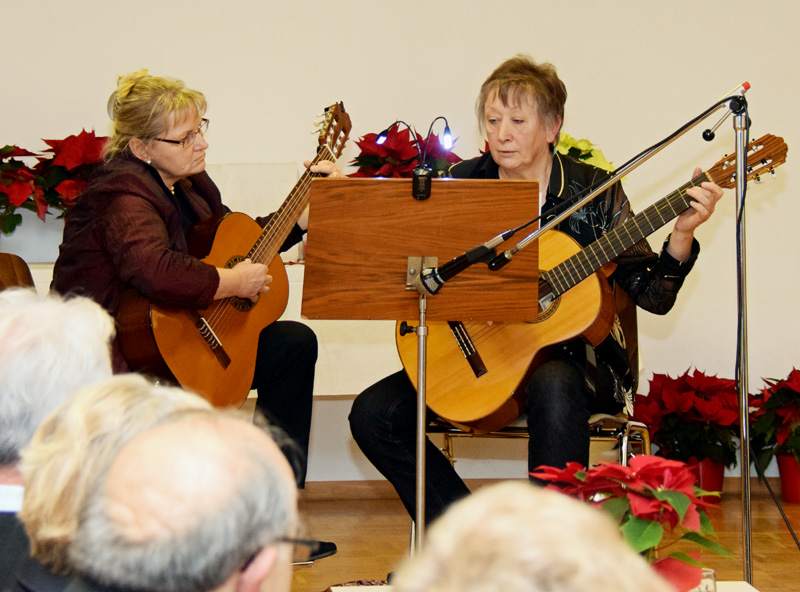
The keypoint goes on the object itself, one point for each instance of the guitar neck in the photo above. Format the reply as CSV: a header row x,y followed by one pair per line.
x,y
276,231
581,265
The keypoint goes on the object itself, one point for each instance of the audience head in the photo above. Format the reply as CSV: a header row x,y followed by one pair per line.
x,y
75,443
200,503
49,347
517,537
520,79
144,107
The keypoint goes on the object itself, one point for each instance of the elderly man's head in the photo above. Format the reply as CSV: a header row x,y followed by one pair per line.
x,y
200,503
49,347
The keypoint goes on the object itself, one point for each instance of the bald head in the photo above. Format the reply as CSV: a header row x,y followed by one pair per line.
x,y
184,505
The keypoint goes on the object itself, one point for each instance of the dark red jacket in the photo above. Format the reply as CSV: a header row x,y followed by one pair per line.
x,y
126,231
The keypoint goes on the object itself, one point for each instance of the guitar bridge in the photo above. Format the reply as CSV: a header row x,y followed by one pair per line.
x,y
213,342
467,347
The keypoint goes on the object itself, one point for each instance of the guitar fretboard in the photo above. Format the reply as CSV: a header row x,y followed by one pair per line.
x,y
578,267
283,220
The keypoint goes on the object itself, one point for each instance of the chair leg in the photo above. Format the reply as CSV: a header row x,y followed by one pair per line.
x,y
447,448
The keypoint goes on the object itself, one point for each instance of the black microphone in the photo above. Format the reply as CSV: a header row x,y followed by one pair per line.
x,y
432,279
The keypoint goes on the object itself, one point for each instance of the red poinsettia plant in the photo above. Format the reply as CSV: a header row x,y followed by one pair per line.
x,y
647,499
53,183
399,154
775,417
693,415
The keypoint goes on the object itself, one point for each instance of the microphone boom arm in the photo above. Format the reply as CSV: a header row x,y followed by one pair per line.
x,y
505,257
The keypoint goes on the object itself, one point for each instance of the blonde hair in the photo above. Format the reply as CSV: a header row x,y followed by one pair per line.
x,y
517,537
141,106
520,78
78,441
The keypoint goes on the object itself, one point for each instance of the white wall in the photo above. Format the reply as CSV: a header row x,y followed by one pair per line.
x,y
635,71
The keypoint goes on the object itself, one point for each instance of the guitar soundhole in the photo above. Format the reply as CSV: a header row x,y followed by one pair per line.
x,y
242,304
548,302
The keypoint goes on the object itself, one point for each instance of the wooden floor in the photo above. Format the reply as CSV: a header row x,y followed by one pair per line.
x,y
371,528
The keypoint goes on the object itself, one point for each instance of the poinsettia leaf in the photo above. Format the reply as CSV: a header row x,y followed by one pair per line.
x,y
9,221
642,534
17,192
699,539
616,507
706,528
686,558
679,501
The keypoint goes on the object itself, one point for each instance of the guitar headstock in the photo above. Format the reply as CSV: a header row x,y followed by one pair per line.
x,y
763,155
334,129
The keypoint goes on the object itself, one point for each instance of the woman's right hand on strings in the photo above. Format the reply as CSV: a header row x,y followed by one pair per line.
x,y
244,280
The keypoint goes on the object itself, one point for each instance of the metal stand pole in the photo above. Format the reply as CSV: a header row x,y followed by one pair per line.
x,y
422,353
415,266
740,127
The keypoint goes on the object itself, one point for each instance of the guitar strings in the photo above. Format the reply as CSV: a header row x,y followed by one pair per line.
x,y
264,250
578,267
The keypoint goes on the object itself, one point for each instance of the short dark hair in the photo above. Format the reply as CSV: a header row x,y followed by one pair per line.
x,y
520,76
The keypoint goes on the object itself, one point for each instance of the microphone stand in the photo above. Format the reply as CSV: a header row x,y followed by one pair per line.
x,y
740,126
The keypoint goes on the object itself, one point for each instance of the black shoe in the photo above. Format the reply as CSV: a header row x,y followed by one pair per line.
x,y
307,551
325,549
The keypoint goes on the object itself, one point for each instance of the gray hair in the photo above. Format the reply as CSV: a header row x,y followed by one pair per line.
x,y
200,557
517,537
49,347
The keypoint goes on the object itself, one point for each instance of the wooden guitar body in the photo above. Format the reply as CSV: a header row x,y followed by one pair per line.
x,y
510,351
192,362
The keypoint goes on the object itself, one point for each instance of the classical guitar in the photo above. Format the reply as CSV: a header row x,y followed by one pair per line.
x,y
476,373
213,351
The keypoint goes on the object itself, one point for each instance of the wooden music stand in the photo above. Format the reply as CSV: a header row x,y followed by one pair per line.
x,y
369,238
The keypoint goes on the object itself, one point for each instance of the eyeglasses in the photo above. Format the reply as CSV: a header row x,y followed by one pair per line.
x,y
303,551
191,137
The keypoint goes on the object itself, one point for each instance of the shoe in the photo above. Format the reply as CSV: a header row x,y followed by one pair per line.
x,y
325,549
307,551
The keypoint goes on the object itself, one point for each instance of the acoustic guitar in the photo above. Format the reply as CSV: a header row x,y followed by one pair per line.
x,y
213,351
476,372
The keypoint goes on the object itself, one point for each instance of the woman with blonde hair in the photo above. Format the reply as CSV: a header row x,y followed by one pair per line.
x,y
516,537
74,442
128,231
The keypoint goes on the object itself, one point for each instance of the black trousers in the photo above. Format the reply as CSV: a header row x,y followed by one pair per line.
x,y
284,379
559,404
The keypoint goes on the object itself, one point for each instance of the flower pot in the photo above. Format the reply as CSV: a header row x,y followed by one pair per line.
x,y
710,473
33,240
789,470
